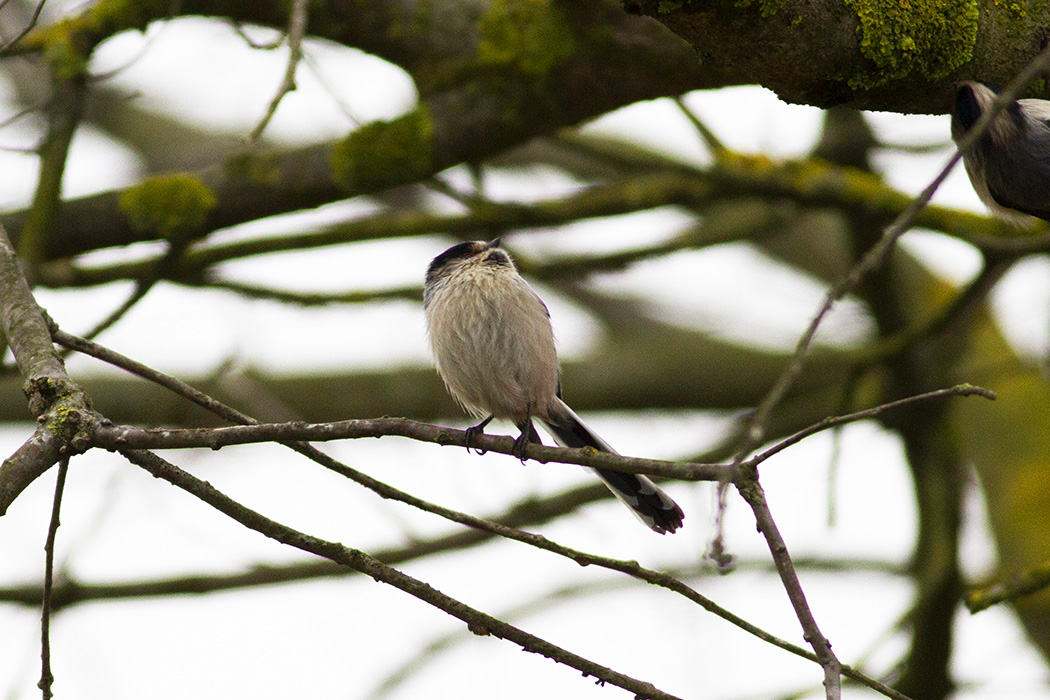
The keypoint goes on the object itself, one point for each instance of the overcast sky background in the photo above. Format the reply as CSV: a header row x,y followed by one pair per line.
x,y
343,638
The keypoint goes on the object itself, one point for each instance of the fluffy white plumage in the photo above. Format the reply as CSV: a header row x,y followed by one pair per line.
x,y
493,345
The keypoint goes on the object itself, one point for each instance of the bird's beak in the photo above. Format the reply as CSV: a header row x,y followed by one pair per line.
x,y
494,243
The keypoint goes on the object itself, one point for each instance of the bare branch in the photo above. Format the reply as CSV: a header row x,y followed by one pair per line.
x,y
130,437
834,421
753,493
296,30
46,677
477,622
59,403
1015,586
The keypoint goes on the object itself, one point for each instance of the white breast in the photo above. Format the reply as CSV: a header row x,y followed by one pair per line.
x,y
492,341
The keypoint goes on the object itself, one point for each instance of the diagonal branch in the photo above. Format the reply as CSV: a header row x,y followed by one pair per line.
x,y
477,622
751,490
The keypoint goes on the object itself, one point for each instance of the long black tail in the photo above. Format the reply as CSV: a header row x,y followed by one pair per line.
x,y
652,506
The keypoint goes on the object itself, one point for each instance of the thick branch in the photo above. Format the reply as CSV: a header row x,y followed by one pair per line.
x,y
811,184
53,397
879,54
470,107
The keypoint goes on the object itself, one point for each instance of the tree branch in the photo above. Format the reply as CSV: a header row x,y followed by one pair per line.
x,y
477,622
752,492
60,405
129,437
46,677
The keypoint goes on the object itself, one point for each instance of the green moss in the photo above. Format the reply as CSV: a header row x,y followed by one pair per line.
x,y
1018,9
902,37
169,205
63,47
767,8
384,153
67,43
531,36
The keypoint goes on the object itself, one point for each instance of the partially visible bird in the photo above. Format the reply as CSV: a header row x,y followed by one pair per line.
x,y
1009,165
493,344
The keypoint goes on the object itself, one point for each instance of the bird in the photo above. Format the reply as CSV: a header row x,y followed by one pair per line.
x,y
1009,165
492,342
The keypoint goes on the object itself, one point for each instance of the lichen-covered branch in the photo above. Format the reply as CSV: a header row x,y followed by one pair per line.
x,y
61,407
868,54
483,92
807,183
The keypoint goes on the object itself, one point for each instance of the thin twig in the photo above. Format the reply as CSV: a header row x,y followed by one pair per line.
x,y
752,492
714,145
29,27
944,319
46,677
177,245
296,31
477,622
834,421
238,28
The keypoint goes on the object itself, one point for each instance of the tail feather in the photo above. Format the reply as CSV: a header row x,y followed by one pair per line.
x,y
652,506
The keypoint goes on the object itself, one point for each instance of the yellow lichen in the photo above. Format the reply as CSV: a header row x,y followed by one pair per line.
x,y
168,205
384,153
67,43
902,37
531,36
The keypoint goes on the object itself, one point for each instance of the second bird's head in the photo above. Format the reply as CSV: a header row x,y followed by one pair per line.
x,y
972,99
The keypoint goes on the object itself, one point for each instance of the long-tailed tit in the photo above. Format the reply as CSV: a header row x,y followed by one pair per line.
x,y
493,345
1009,165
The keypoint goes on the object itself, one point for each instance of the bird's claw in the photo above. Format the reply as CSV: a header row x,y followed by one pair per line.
x,y
473,432
520,444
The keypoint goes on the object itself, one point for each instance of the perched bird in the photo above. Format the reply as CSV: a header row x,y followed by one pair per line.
x,y
492,341
1009,165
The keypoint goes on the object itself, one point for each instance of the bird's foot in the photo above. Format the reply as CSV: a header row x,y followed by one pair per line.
x,y
472,436
520,444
